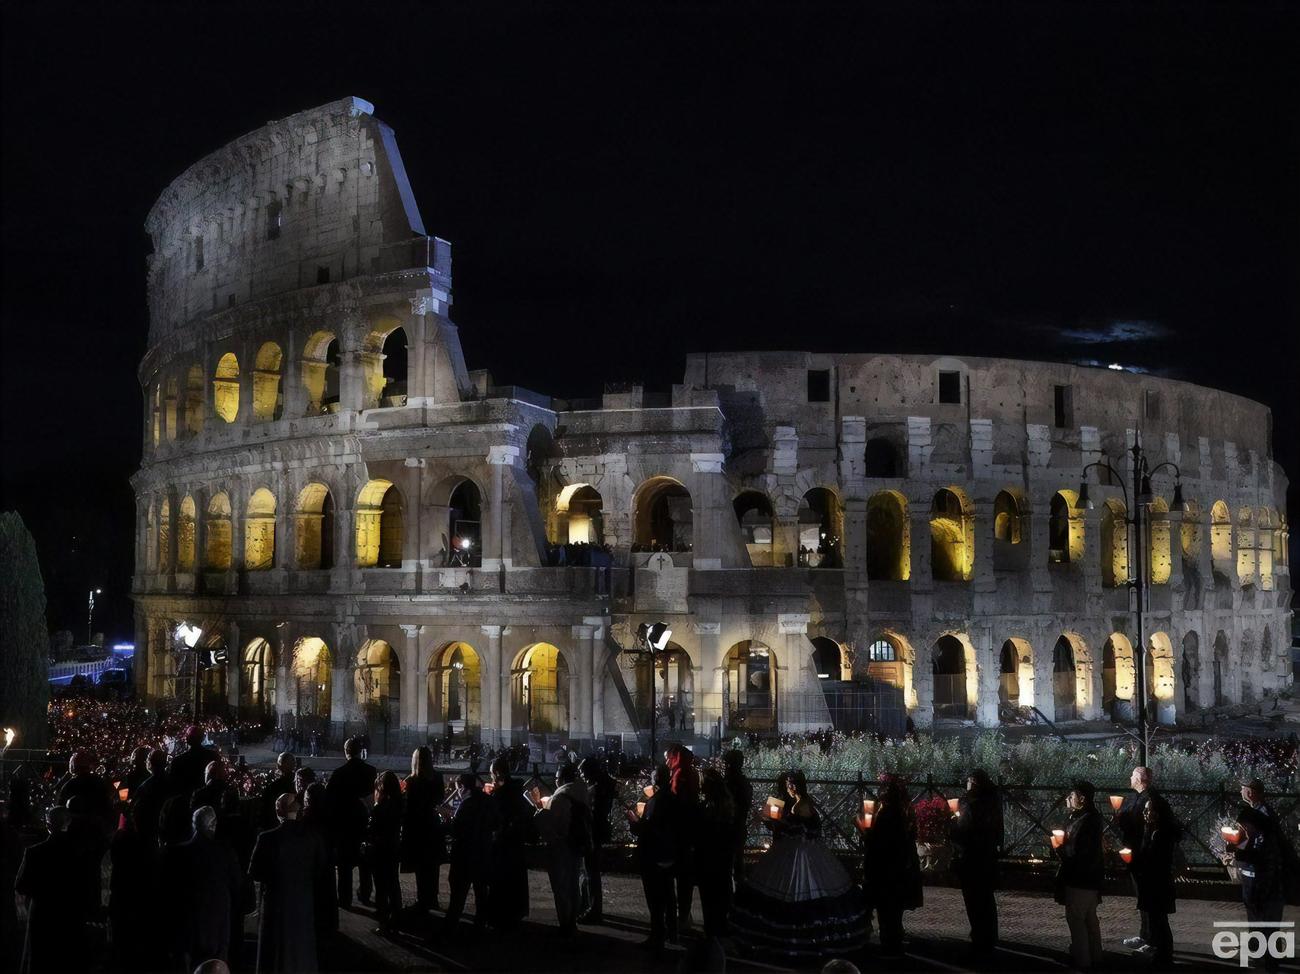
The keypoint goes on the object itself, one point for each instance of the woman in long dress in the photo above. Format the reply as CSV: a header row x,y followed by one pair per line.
x,y
798,901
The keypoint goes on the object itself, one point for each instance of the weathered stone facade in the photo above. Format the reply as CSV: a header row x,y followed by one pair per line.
x,y
368,528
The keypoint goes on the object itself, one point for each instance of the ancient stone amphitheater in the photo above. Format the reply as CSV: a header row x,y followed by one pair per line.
x,y
341,524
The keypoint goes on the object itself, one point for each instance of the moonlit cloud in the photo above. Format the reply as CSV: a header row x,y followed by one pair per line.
x,y
1116,333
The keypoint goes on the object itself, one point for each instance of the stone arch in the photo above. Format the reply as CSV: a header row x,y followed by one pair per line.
x,y
1065,529
952,536
1114,544
380,542
313,678
1191,671
218,533
540,690
257,683
1010,530
268,398
1084,690
828,658
1065,681
259,531
225,388
673,689
891,659
314,528
192,403
1189,533
1118,677
1160,558
1221,538
320,372
165,535
384,364
1222,670
377,680
170,405
821,526
579,516
751,687
1016,674
757,521
662,517
455,693
1162,686
185,535
956,676
1246,535
463,540
889,537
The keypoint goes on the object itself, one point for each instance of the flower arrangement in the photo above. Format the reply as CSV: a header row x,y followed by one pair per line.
x,y
932,818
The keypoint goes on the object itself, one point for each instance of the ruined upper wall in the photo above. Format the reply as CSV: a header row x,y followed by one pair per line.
x,y
318,197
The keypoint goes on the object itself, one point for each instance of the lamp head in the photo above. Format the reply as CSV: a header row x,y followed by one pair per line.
x,y
655,635
1144,489
1084,503
1179,502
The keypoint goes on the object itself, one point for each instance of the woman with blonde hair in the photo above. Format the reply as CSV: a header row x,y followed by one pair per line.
x,y
424,843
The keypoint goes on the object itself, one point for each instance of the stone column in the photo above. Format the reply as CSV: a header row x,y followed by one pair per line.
x,y
234,669
581,708
711,688
284,702
246,355
352,390
599,653
410,705
295,392
420,330
986,672
496,542
796,710
918,510
495,664
706,510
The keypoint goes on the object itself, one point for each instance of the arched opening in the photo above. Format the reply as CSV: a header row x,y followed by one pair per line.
x,y
1160,677
828,659
155,413
313,677
661,516
1065,529
259,531
1118,677
193,403
1009,676
217,534
170,405
378,683
540,685
820,527
465,525
1006,518
314,528
889,661
1161,534
952,536
1010,531
540,454
578,515
185,536
1114,544
881,458
455,692
257,682
1265,529
1189,533
1191,671
889,537
1221,538
165,536
673,689
1246,546
225,388
151,539
1222,669
268,403
395,369
955,685
384,365
751,688
1065,690
379,537
757,520
320,373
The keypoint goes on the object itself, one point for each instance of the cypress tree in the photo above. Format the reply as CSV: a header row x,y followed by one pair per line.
x,y
24,638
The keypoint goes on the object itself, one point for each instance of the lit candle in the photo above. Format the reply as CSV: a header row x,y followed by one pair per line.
x,y
864,821
1116,801
774,806
868,806
1126,855
640,809
953,804
1230,835
1058,838
487,788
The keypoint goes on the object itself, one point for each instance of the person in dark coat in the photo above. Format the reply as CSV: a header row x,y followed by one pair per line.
x,y
92,795
713,853
348,792
133,899
289,864
1261,860
1080,876
1130,821
281,784
473,829
563,823
686,790
383,850
508,881
60,879
656,832
1153,870
188,769
201,883
424,841
742,807
148,798
891,867
215,784
138,773
601,792
976,833
315,821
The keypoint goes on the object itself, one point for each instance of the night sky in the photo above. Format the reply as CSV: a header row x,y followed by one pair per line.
x,y
624,183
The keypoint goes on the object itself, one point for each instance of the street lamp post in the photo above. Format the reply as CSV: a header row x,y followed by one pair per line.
x,y
652,639
1134,517
90,615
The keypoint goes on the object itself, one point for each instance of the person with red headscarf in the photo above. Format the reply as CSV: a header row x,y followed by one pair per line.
x,y
685,788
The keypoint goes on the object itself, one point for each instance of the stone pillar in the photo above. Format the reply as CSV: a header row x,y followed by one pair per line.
x,y
987,671
238,523
918,510
295,392
410,706
798,708
285,525
706,510
711,687
599,654
496,664
284,702
246,362
581,708
496,542
234,669
352,390
420,330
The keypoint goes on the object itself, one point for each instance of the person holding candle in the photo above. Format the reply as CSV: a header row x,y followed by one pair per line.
x,y
891,866
424,842
713,852
1152,865
564,823
686,789
976,834
1129,819
742,805
508,882
600,789
1080,876
1261,854
798,901
473,831
656,848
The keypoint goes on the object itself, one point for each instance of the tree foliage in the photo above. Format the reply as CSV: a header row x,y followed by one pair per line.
x,y
24,638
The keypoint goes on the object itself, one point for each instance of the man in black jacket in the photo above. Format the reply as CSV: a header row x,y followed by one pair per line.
x,y
147,799
1130,819
201,883
977,833
742,802
473,828
347,795
1261,859
281,784
600,789
188,769
60,879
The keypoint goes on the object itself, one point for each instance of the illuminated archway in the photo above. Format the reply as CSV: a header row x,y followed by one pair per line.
x,y
750,688
1114,544
320,372
259,531
1161,685
540,690
185,536
661,516
171,403
454,690
267,401
314,528
218,534
889,537
579,519
1189,533
889,660
821,526
1065,685
379,529
313,673
757,523
1118,677
952,536
1221,538
257,683
193,403
673,689
377,679
155,413
1161,533
465,525
165,536
956,684
384,364
1246,546
1016,674
1065,529
225,388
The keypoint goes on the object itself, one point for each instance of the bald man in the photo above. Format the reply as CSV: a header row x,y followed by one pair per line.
x,y
290,865
282,784
201,886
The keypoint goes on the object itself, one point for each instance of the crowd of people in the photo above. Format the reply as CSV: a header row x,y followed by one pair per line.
x,y
189,862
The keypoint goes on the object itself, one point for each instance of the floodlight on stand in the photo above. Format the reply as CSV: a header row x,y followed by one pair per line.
x,y
188,634
465,544
655,635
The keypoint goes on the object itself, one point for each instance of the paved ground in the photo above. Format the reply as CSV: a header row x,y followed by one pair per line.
x,y
1033,929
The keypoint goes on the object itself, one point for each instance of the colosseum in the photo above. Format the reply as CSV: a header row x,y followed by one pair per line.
x,y
340,522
